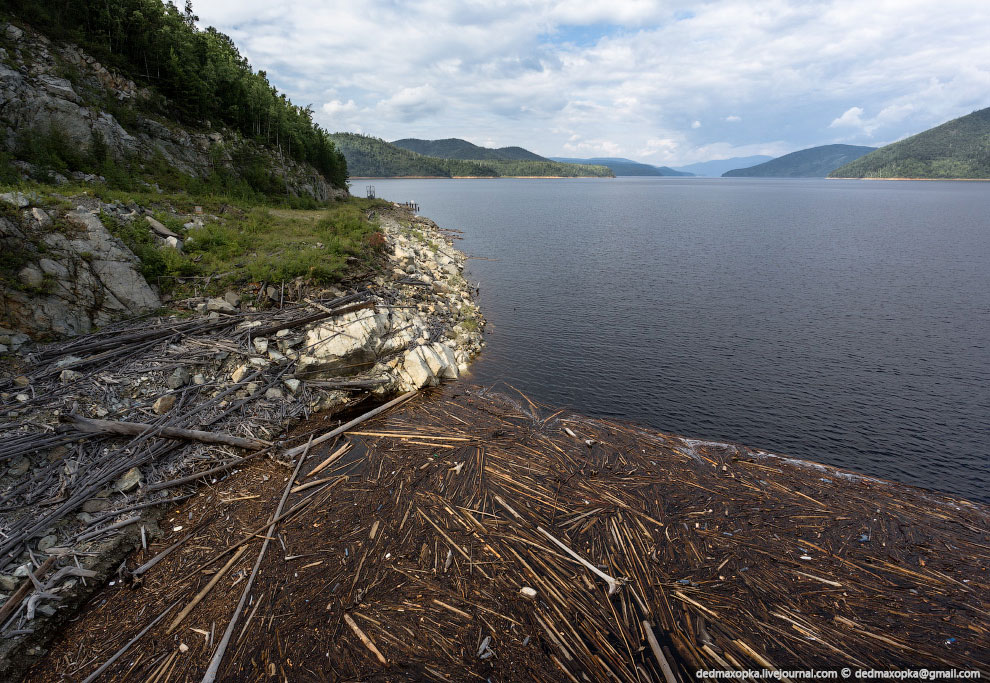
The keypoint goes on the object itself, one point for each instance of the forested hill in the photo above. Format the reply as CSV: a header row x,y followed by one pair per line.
x,y
455,148
626,167
373,157
957,149
183,77
814,162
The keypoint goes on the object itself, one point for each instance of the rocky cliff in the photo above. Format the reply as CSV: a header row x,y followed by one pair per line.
x,y
57,94
62,272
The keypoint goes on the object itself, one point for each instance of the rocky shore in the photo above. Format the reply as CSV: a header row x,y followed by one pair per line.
x,y
248,365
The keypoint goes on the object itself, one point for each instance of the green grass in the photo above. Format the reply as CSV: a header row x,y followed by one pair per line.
x,y
259,244
253,239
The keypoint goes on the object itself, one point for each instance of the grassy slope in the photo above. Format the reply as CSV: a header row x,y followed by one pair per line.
x,y
957,149
241,241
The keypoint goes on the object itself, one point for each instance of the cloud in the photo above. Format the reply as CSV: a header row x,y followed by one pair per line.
x,y
506,72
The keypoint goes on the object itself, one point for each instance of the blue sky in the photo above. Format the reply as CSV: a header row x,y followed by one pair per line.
x,y
670,82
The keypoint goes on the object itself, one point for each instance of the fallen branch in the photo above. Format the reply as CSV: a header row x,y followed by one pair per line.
x,y
93,426
22,591
613,584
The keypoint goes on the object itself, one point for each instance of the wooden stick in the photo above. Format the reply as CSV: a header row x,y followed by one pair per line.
x,y
333,456
116,655
668,674
365,639
613,584
211,672
93,426
206,589
292,452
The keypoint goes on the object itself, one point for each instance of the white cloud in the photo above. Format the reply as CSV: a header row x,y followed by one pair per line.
x,y
515,71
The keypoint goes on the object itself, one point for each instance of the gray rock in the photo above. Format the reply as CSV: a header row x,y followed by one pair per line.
x,y
8,583
19,466
240,373
179,378
260,344
129,481
70,375
47,542
15,199
3,349
219,306
293,385
274,394
95,505
22,381
22,571
199,379
31,276
46,610
158,228
232,298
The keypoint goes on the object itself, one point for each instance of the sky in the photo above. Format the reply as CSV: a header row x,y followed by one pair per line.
x,y
667,82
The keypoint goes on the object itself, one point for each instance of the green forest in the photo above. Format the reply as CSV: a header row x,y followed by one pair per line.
x,y
198,75
957,149
373,157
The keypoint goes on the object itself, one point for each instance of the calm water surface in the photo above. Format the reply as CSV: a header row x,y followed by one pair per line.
x,y
846,322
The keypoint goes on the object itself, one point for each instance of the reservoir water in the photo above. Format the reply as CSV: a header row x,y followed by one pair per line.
x,y
846,322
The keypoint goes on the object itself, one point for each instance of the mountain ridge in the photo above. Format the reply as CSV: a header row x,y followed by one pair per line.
x,y
956,149
372,157
813,162
457,148
716,167
624,167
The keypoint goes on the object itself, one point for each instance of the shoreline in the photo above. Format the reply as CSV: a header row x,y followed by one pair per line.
x,y
479,177
681,526
408,327
963,180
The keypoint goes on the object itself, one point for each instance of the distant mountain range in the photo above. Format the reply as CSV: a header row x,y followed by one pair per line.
x,y
815,162
717,167
455,148
373,157
957,149
622,166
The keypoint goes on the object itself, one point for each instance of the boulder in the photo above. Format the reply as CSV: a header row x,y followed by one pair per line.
x,y
179,378
129,481
219,306
343,346
164,404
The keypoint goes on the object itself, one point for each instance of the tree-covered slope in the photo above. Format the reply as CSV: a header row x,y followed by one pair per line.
x,y
373,157
814,162
957,149
369,156
625,167
194,78
455,148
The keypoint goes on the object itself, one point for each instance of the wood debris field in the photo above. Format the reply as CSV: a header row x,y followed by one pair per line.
x,y
472,535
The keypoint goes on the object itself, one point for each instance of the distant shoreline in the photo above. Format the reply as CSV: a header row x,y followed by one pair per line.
x,y
471,177
965,180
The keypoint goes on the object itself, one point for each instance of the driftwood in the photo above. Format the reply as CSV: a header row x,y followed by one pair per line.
x,y
23,590
292,452
93,426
